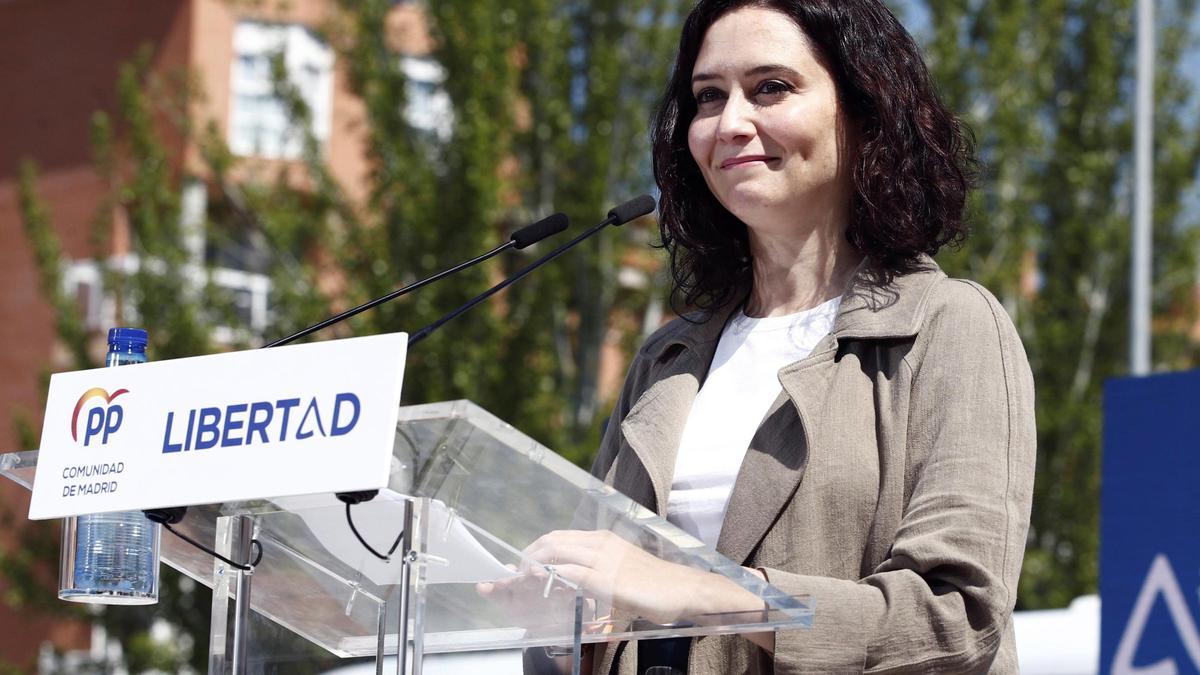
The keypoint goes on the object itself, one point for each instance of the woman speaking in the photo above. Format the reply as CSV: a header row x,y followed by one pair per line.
x,y
838,416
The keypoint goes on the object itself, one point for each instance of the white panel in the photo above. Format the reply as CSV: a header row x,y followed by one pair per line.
x,y
301,419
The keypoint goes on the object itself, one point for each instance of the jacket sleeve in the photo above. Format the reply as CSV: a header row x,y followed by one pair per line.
x,y
942,599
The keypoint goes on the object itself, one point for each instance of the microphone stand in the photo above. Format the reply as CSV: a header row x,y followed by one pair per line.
x,y
526,236
634,208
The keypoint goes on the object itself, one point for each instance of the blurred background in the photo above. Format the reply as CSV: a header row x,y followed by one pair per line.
x,y
224,172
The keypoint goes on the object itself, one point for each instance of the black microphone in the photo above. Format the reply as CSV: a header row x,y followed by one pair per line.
x,y
532,234
619,215
526,236
634,208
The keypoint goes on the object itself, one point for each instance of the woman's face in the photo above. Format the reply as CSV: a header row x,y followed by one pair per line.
x,y
769,134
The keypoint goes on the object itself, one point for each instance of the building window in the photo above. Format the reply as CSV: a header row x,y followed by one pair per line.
x,y
258,123
249,293
428,107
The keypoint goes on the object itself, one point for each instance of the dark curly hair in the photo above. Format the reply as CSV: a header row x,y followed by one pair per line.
x,y
914,166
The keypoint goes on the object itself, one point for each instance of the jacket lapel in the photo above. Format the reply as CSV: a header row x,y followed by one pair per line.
x,y
653,428
654,425
778,454
774,464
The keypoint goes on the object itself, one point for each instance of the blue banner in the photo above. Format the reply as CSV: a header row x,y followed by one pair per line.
x,y
1150,526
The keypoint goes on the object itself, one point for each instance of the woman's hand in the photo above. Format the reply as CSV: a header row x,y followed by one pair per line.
x,y
531,601
619,573
615,572
543,612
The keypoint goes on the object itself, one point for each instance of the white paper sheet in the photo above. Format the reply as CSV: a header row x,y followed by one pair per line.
x,y
379,521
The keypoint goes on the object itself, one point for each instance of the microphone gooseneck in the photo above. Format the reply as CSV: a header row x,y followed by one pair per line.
x,y
619,215
526,236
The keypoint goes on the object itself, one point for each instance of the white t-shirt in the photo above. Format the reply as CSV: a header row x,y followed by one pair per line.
x,y
742,383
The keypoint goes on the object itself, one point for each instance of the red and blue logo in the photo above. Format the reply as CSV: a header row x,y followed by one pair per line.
x,y
102,420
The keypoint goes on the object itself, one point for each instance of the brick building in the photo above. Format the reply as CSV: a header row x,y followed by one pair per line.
x,y
60,60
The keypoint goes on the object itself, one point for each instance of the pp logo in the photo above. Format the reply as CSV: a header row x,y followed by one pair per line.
x,y
102,420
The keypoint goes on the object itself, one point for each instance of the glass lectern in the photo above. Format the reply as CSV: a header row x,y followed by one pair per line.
x,y
467,495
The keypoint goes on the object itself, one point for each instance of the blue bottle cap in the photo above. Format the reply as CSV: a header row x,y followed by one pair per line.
x,y
131,338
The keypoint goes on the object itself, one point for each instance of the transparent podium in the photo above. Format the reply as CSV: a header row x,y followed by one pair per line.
x,y
475,493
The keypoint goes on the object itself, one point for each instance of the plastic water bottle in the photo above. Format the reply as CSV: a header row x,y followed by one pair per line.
x,y
112,558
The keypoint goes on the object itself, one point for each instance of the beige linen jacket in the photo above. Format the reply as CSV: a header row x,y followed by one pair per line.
x,y
891,481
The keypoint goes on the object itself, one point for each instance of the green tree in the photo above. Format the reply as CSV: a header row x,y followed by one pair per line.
x,y
156,286
1047,87
543,120
550,107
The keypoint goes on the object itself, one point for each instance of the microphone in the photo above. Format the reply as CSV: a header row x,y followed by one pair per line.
x,y
526,236
634,208
619,215
532,234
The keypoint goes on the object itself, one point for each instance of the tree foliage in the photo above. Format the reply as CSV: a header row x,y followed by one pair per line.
x,y
551,102
1047,87
155,286
543,120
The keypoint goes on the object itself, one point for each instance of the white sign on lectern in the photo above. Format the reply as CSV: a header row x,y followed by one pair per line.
x,y
292,420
